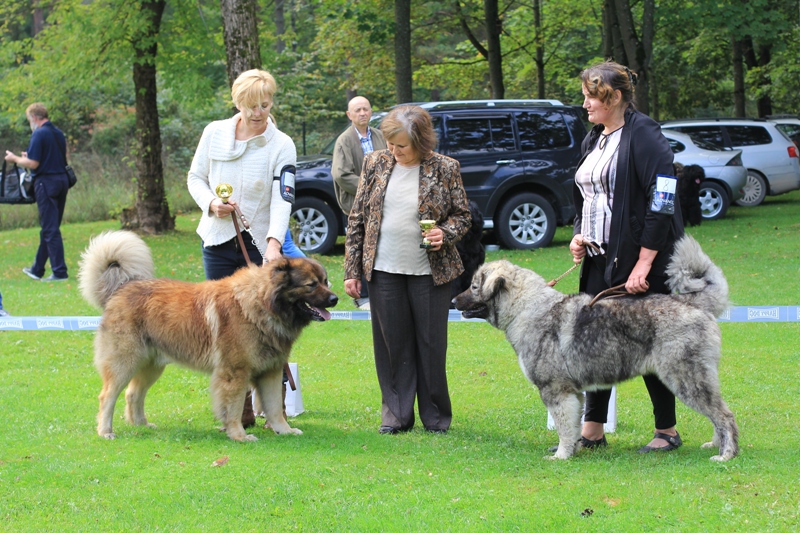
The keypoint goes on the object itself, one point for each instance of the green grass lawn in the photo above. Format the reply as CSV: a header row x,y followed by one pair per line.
x,y
487,474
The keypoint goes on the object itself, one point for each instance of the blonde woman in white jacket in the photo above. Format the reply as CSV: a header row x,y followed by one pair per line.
x,y
248,152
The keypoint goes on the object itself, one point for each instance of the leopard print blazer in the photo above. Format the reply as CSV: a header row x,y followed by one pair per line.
x,y
441,197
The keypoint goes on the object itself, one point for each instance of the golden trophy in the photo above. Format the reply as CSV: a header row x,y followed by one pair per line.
x,y
224,191
426,225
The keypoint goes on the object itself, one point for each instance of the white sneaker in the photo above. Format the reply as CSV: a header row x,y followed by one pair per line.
x,y
3,312
30,274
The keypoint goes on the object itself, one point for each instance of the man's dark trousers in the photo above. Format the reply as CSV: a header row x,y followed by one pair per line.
x,y
51,197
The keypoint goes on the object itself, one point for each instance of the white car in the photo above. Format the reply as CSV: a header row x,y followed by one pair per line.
x,y
770,157
726,177
788,124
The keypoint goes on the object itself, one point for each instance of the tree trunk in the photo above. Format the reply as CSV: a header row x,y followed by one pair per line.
x,y
539,59
402,51
609,29
240,33
152,210
634,52
648,35
494,26
764,103
739,109
280,26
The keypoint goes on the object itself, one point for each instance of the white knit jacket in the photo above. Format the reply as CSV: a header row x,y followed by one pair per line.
x,y
250,167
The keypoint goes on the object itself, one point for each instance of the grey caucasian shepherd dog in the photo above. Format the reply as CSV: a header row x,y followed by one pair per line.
x,y
566,346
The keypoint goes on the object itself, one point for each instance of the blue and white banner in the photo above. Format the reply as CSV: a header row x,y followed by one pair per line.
x,y
773,313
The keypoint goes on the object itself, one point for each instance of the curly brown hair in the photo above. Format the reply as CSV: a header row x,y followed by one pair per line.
x,y
602,79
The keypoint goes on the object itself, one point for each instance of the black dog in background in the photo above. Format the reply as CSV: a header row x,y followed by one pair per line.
x,y
689,179
471,251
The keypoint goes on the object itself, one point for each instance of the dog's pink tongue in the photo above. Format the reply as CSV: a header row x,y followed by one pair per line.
x,y
324,313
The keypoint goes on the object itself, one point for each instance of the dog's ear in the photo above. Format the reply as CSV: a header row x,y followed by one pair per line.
x,y
493,282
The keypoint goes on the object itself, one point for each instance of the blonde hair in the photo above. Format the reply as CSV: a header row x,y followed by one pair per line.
x,y
251,88
602,79
37,110
416,123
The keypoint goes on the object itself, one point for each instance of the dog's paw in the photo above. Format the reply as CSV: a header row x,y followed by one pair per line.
x,y
719,458
288,431
708,445
249,438
109,435
555,457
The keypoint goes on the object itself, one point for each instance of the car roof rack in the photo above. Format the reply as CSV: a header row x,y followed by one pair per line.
x,y
478,104
786,115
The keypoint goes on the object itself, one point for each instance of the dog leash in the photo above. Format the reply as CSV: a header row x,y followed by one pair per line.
x,y
611,292
246,225
591,245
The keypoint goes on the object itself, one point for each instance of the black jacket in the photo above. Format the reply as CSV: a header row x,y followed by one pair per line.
x,y
643,153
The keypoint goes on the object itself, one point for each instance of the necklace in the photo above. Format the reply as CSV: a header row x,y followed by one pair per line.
x,y
604,137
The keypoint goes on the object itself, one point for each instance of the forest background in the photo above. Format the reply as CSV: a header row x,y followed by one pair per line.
x,y
132,80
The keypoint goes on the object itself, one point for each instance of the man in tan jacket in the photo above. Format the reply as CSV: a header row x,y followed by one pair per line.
x,y
348,158
351,147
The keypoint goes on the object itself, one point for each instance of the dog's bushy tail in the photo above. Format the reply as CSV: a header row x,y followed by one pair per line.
x,y
695,277
112,259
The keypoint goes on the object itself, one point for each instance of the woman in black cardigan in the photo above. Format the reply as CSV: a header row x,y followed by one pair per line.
x,y
614,193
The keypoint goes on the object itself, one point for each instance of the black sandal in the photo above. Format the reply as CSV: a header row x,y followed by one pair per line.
x,y
586,443
675,442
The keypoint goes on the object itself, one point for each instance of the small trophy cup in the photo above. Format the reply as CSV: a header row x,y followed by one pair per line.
x,y
426,225
224,191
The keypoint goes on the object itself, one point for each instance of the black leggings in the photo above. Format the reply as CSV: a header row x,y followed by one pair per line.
x,y
596,407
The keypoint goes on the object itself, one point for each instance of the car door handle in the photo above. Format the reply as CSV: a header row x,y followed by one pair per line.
x,y
506,161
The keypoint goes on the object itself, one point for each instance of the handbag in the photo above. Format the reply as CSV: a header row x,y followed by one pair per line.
x,y
16,187
71,177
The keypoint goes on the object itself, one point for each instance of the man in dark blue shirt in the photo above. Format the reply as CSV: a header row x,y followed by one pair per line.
x,y
46,157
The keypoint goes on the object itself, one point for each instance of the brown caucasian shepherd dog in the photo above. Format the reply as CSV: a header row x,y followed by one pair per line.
x,y
239,329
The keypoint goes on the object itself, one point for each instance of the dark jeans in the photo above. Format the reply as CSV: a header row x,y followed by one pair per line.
x,y
596,407
51,197
224,259
409,333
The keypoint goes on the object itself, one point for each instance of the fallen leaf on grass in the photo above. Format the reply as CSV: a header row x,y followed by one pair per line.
x,y
221,461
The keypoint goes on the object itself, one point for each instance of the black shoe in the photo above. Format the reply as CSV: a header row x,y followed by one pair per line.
x,y
673,443
586,443
388,430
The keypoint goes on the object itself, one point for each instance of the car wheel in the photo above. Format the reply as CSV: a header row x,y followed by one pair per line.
x,y
755,190
714,200
317,224
526,221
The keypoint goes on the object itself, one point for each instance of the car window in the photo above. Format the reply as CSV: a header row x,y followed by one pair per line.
x,y
700,143
791,130
749,135
480,135
711,134
539,130
676,146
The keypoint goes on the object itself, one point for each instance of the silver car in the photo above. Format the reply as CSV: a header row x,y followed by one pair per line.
x,y
770,157
726,177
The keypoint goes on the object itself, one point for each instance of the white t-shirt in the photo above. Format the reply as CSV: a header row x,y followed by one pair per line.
x,y
400,235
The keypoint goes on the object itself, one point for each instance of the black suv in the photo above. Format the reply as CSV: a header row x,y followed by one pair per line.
x,y
518,160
